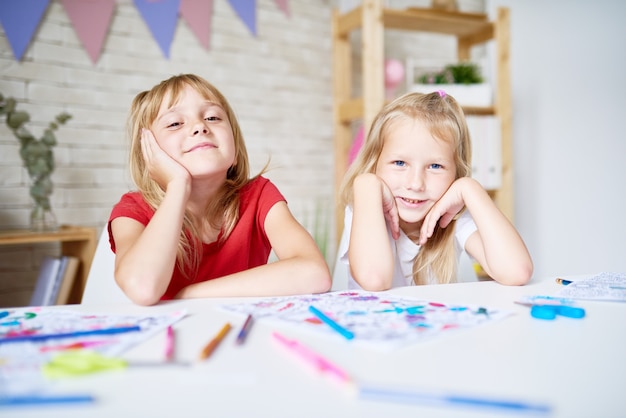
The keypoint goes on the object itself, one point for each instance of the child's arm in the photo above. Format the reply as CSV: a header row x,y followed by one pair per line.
x,y
145,256
300,269
496,245
369,252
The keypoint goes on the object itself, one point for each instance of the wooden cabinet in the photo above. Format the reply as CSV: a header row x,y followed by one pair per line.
x,y
75,241
372,19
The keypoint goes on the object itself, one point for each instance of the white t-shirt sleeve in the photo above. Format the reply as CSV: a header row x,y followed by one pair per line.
x,y
465,227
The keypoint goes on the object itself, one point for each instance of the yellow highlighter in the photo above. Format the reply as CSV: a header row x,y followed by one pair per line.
x,y
81,362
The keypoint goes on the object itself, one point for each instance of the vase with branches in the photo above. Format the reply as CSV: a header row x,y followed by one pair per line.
x,y
37,158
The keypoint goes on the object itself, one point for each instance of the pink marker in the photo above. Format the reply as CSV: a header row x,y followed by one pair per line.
x,y
169,344
320,363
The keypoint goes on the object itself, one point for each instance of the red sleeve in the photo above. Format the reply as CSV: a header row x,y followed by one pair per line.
x,y
131,205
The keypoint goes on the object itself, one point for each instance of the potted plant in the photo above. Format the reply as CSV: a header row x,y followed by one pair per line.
x,y
462,80
38,159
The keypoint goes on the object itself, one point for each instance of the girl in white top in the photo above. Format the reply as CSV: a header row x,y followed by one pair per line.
x,y
412,207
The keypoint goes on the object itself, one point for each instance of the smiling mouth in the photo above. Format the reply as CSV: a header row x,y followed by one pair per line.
x,y
202,146
411,201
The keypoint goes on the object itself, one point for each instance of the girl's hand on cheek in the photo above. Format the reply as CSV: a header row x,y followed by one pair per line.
x,y
162,168
446,208
390,210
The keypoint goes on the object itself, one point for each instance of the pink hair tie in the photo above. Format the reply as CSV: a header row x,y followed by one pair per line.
x,y
441,93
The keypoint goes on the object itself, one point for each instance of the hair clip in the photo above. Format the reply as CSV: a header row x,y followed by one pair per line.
x,y
441,93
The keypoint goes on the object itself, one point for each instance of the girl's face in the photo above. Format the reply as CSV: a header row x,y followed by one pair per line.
x,y
196,133
418,169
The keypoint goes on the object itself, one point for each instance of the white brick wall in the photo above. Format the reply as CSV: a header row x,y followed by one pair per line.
x,y
279,83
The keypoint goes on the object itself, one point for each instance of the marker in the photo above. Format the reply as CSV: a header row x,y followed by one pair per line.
x,y
316,360
169,344
563,281
440,399
245,328
208,349
347,334
73,334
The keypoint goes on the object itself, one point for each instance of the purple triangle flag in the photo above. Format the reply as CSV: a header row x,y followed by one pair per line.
x,y
246,9
20,19
161,17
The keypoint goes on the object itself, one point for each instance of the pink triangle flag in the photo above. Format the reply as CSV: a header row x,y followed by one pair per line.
x,y
20,19
246,9
161,17
197,14
284,6
91,20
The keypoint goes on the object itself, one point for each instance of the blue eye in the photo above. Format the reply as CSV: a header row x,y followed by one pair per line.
x,y
436,166
399,163
212,118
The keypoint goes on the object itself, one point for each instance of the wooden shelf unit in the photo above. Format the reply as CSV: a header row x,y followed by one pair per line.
x,y
372,19
75,241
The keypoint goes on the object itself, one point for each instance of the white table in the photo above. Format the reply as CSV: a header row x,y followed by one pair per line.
x,y
576,366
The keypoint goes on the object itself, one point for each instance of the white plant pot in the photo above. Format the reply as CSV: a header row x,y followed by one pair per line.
x,y
474,95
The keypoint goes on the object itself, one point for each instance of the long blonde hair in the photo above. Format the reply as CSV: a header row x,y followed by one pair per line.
x,y
445,120
222,212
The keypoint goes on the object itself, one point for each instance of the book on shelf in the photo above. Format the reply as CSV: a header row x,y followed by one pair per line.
x,y
55,279
67,280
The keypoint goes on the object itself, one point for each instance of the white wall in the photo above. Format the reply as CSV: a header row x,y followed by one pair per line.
x,y
569,107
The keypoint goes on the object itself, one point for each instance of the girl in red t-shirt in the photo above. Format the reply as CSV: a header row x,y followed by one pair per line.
x,y
198,225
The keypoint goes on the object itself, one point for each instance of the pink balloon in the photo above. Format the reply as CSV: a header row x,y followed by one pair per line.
x,y
394,73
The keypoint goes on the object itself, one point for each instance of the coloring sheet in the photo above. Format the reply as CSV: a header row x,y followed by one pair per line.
x,y
377,320
602,287
21,361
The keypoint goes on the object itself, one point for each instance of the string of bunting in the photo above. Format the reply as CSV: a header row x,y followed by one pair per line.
x,y
91,20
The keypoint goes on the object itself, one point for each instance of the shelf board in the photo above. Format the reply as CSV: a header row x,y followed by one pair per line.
x,y
462,25
64,233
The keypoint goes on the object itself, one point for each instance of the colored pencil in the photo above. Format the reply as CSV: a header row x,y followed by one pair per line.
x,y
347,334
408,396
73,334
43,399
208,349
245,329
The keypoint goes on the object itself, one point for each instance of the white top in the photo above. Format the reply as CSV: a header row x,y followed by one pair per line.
x,y
404,250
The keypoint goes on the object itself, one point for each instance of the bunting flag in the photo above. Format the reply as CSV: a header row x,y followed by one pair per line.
x,y
246,9
20,19
91,20
161,17
198,14
284,6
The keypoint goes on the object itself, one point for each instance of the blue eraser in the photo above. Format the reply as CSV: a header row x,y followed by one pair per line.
x,y
543,312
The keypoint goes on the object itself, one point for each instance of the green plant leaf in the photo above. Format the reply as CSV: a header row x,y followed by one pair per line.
x,y
17,119
48,138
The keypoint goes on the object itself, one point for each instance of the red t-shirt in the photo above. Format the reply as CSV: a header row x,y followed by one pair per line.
x,y
246,247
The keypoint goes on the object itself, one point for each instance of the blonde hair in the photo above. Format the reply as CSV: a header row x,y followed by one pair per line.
x,y
222,212
445,120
